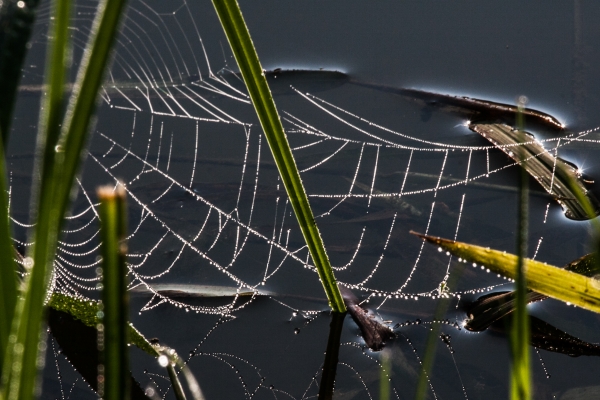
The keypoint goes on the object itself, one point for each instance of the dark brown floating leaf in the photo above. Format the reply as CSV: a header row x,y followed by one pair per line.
x,y
547,337
554,174
476,110
490,308
373,330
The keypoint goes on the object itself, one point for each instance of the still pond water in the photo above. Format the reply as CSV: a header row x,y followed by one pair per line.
x,y
207,207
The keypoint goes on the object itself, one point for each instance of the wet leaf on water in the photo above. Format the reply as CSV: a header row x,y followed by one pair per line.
x,y
373,330
478,110
554,174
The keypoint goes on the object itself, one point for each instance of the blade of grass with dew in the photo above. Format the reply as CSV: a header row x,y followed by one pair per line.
x,y
546,279
239,39
22,355
50,112
113,329
17,23
520,378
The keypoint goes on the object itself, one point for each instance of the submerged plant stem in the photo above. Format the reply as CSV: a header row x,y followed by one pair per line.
x,y
245,54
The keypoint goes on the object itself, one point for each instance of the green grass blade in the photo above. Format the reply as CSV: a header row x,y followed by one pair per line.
x,y
546,279
252,72
113,342
22,355
17,24
385,374
433,336
170,359
18,18
175,382
520,379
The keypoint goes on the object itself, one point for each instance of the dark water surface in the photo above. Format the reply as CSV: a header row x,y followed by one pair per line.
x,y
207,207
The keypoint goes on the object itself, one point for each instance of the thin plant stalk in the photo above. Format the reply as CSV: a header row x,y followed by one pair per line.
x,y
520,380
330,363
385,375
434,334
114,380
17,23
175,383
245,54
50,113
23,355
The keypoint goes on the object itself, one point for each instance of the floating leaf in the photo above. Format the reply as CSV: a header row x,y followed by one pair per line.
x,y
554,174
180,290
373,330
474,109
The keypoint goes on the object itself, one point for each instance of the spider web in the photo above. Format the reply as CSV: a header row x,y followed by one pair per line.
x,y
206,207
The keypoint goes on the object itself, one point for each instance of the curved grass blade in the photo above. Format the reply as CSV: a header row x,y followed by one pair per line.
x,y
239,39
20,381
558,177
113,332
546,279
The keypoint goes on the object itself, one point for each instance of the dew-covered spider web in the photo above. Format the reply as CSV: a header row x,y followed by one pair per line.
x,y
207,211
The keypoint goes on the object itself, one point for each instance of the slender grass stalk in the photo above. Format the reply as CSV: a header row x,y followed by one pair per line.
x,y
23,355
175,383
169,359
330,363
430,349
384,375
520,379
434,334
50,113
245,54
114,382
17,19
